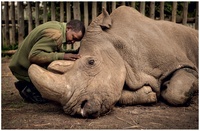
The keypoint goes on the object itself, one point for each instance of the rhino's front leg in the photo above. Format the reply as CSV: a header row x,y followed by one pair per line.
x,y
143,95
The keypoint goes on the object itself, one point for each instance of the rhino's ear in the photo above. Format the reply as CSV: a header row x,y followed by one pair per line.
x,y
106,20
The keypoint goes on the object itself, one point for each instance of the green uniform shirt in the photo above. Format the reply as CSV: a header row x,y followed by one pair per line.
x,y
42,46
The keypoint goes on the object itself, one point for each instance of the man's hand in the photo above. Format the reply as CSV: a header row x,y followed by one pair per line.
x,y
70,56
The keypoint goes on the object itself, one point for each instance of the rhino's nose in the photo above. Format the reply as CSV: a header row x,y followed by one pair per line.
x,y
90,109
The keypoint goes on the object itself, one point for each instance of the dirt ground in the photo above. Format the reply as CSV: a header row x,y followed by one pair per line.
x,y
16,114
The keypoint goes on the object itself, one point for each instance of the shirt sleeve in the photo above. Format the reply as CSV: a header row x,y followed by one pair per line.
x,y
44,52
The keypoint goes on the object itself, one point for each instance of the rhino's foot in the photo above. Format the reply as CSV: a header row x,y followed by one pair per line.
x,y
180,88
144,95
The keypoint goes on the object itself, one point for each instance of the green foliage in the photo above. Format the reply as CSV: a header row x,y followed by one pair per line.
x,y
10,47
6,47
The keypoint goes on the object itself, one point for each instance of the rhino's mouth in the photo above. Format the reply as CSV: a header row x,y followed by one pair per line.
x,y
85,107
90,109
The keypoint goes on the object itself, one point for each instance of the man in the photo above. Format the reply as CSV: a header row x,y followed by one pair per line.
x,y
43,45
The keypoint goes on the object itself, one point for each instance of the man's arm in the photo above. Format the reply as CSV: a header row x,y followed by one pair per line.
x,y
44,52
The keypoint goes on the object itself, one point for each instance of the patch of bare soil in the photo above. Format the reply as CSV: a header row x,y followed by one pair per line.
x,y
16,114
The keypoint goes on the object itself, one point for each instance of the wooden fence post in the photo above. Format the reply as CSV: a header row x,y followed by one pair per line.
x,y
133,4
30,20
69,46
53,11
104,5
113,6
61,11
86,21
76,9
13,40
197,16
37,9
20,22
68,8
6,18
142,8
152,10
94,10
44,12
174,8
123,3
185,12
162,6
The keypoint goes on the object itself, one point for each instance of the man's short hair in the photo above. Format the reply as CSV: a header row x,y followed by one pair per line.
x,y
77,26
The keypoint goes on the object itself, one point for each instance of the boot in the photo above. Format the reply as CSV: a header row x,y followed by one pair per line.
x,y
29,93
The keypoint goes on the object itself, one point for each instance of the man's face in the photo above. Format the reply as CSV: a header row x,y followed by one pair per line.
x,y
72,37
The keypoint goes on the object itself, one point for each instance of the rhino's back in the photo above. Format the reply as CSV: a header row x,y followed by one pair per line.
x,y
154,45
155,37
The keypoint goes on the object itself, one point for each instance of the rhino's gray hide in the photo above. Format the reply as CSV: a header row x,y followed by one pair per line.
x,y
126,58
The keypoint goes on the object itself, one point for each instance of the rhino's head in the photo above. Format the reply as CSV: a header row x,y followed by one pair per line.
x,y
91,85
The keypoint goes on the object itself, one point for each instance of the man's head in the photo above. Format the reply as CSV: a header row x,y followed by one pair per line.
x,y
75,31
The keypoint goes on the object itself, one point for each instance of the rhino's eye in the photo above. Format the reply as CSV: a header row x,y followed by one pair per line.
x,y
91,62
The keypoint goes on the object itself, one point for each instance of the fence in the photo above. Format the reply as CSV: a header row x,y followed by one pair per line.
x,y
19,18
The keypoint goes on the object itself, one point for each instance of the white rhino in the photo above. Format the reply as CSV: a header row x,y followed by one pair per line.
x,y
126,58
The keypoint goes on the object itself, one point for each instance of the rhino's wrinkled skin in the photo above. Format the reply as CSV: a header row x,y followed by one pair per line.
x,y
126,58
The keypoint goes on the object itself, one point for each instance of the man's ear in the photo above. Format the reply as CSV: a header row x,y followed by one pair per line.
x,y
106,20
69,27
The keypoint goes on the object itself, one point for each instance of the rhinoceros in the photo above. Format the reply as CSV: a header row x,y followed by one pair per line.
x,y
126,58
